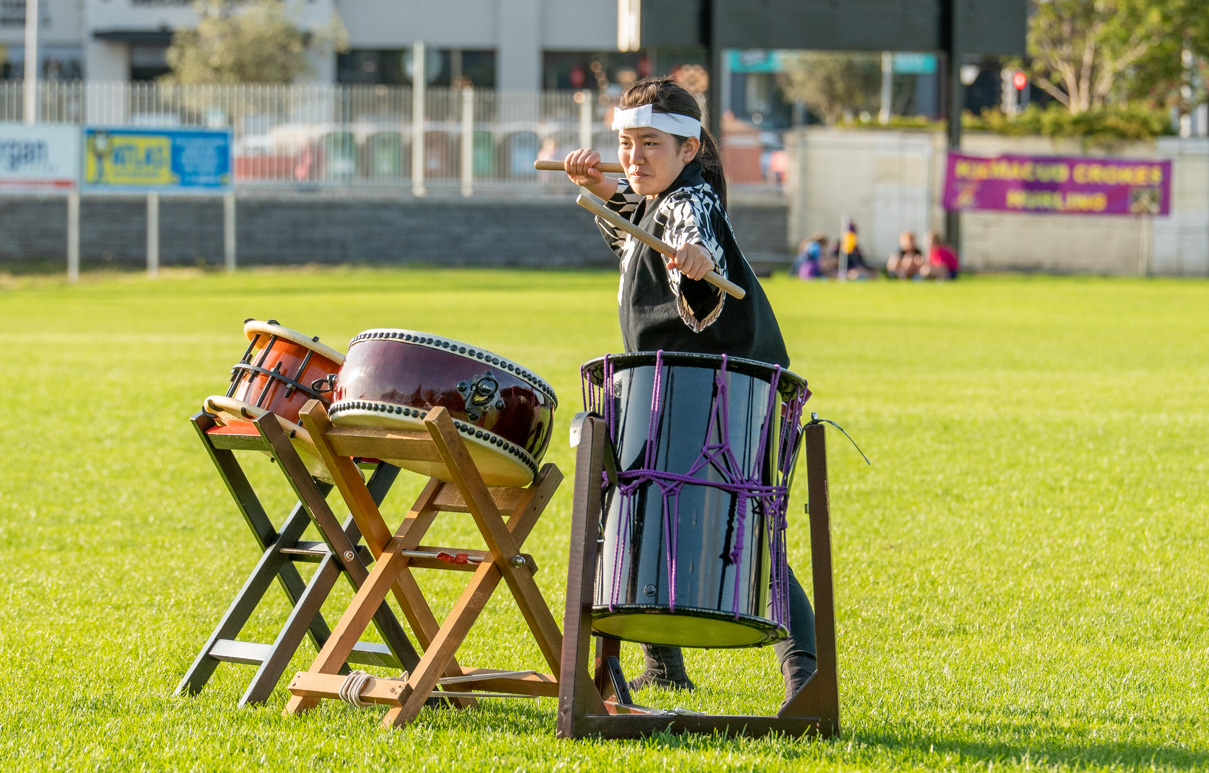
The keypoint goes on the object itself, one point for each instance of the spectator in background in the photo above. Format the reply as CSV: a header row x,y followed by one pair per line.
x,y
942,259
855,266
808,263
907,260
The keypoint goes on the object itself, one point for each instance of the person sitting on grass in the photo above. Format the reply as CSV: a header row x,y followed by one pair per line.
x,y
906,260
807,265
853,259
942,259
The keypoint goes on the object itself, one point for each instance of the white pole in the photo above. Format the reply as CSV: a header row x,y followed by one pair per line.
x,y
153,235
841,272
228,230
30,90
418,69
883,115
467,141
73,236
585,119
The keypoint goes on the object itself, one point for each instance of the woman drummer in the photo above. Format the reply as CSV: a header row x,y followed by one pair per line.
x,y
674,189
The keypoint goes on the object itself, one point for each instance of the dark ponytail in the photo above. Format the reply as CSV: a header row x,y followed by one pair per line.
x,y
665,95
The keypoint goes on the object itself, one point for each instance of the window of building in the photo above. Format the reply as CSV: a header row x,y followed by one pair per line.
x,y
147,62
59,63
444,67
604,71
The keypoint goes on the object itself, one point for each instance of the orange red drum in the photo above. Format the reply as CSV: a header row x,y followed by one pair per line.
x,y
280,371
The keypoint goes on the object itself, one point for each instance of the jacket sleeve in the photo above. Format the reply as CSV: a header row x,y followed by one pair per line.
x,y
625,203
687,217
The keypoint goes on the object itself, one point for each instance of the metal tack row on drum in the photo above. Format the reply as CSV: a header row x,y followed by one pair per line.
x,y
392,378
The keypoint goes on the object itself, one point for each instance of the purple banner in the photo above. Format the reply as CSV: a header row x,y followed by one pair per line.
x,y
1058,185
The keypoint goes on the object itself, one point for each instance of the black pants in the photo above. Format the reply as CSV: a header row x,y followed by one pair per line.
x,y
795,653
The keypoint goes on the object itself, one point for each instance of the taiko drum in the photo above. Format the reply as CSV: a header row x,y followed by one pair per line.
x,y
504,412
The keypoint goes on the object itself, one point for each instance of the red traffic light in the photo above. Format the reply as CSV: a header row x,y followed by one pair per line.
x,y
1019,80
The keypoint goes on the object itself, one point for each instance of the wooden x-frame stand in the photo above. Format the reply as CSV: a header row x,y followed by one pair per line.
x,y
581,709
398,553
281,549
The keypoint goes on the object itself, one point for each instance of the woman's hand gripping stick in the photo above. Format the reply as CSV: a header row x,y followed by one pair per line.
x,y
619,222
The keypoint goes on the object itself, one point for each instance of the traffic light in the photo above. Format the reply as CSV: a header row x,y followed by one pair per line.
x,y
1014,83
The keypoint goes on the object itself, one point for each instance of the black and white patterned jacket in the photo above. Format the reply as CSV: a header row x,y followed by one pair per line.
x,y
658,307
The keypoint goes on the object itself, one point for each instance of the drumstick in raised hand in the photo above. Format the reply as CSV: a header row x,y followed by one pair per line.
x,y
557,166
617,221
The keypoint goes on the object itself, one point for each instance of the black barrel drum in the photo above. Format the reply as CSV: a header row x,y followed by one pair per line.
x,y
392,378
694,529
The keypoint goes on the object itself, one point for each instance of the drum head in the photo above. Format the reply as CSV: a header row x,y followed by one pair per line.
x,y
255,327
500,462
686,627
228,410
789,384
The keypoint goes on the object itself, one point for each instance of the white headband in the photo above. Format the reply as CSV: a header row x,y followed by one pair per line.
x,y
644,115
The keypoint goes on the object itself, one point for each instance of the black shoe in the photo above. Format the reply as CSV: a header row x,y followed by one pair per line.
x,y
797,670
650,679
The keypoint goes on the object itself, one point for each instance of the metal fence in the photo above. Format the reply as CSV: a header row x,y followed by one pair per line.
x,y
318,135
346,135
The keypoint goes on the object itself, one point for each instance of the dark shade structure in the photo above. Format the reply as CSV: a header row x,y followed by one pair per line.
x,y
954,28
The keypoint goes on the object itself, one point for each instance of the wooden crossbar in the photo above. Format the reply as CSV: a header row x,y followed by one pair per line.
x,y
398,553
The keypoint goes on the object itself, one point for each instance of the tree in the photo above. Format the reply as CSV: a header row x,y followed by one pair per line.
x,y
255,41
1089,53
832,84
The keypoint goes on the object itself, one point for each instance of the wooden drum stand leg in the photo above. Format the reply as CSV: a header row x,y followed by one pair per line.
x,y
281,550
400,552
581,709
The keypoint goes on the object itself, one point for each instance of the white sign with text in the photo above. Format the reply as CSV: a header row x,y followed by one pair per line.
x,y
42,157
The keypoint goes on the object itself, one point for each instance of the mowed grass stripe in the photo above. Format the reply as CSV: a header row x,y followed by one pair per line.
x,y
1020,577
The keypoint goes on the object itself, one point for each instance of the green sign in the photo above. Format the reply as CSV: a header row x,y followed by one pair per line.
x,y
914,64
753,60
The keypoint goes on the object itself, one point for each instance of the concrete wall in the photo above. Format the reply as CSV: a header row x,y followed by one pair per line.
x,y
890,181
300,228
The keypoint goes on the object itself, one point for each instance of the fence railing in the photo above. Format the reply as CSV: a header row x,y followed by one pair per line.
x,y
318,135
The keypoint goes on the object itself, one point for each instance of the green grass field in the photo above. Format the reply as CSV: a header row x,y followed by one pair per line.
x,y
1021,578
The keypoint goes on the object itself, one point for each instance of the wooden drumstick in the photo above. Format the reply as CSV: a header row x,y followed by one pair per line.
x,y
713,277
557,166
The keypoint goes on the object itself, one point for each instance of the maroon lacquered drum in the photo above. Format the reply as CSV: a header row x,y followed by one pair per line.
x,y
505,412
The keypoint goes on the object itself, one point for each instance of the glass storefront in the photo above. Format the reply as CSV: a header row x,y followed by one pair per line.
x,y
443,67
64,63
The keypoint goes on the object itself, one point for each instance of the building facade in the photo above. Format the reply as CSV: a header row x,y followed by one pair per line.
x,y
510,45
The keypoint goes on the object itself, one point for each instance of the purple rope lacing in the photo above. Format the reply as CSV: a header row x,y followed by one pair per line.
x,y
769,499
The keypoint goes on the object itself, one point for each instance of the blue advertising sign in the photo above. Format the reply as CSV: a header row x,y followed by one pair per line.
x,y
162,160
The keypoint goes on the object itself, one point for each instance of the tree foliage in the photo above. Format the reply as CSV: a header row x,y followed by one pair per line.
x,y
833,85
253,41
1091,53
1099,127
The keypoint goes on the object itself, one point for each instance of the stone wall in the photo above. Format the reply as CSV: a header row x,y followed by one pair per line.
x,y
324,228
